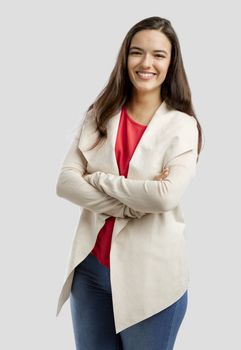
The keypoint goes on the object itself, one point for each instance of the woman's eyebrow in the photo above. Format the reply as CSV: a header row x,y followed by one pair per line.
x,y
138,48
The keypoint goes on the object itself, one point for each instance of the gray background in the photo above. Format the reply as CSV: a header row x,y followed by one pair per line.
x,y
56,56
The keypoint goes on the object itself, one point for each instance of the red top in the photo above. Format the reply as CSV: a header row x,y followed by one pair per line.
x,y
128,135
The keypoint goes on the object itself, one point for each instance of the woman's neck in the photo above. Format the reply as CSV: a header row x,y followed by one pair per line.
x,y
142,109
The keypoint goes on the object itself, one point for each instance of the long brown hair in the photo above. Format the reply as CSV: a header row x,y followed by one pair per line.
x,y
175,89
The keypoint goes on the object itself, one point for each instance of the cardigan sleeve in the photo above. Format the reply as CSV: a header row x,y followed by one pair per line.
x,y
72,186
152,196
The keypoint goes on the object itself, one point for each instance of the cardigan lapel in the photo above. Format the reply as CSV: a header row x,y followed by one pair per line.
x,y
102,156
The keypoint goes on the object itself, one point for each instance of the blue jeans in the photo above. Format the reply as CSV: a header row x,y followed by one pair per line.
x,y
93,320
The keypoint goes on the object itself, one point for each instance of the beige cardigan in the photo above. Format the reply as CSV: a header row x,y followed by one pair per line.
x,y
148,258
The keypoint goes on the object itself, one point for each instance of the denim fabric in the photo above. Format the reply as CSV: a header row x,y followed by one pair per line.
x,y
93,319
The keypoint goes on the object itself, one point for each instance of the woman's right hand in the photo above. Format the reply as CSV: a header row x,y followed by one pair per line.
x,y
162,175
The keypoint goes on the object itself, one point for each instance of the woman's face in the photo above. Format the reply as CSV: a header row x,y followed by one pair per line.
x,y
150,52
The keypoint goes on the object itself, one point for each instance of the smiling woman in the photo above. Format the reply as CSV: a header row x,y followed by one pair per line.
x,y
144,63
128,274
147,70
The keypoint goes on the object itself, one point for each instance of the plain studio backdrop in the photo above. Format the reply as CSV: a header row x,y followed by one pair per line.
x,y
56,56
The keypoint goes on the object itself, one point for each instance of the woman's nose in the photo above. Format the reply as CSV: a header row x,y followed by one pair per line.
x,y
146,61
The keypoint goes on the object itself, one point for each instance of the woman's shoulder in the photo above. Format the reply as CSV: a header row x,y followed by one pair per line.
x,y
180,117
179,122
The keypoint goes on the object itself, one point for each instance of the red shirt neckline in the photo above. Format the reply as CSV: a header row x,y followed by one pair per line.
x,y
133,121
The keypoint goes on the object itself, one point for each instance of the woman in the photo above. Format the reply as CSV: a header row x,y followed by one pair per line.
x,y
131,161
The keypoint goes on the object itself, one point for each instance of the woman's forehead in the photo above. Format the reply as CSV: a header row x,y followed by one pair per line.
x,y
152,39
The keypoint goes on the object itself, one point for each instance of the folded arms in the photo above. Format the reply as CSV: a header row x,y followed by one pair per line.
x,y
122,197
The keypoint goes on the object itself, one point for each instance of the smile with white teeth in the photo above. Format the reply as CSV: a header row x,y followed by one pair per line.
x,y
145,76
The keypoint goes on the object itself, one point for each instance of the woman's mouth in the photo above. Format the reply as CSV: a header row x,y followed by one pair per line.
x,y
145,76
